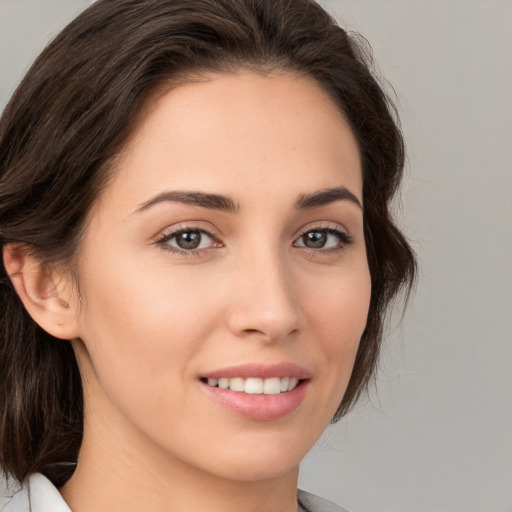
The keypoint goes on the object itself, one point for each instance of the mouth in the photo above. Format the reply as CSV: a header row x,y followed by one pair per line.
x,y
255,385
260,392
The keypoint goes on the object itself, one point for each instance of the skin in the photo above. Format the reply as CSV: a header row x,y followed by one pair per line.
x,y
150,321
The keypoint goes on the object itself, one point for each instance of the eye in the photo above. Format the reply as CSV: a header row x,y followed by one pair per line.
x,y
187,240
324,239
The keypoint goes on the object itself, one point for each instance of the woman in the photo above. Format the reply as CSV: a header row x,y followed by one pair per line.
x,y
197,254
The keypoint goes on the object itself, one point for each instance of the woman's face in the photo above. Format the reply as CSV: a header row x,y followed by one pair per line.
x,y
228,251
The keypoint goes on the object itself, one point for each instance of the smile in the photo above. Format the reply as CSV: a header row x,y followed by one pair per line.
x,y
255,385
261,392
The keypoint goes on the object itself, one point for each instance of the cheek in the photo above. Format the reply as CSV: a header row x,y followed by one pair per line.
x,y
138,324
338,315
340,307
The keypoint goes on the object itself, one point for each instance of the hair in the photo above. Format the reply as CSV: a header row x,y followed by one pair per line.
x,y
70,117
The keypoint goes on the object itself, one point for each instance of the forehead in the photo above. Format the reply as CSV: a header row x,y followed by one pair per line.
x,y
227,132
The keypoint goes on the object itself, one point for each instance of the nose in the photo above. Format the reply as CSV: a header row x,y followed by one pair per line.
x,y
264,299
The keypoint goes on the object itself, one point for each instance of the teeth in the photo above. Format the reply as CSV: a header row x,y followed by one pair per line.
x,y
272,386
253,386
236,384
256,386
292,384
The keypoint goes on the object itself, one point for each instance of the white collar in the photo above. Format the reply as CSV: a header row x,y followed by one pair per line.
x,y
38,494
44,496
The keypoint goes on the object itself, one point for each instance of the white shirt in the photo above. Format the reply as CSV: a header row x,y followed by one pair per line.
x,y
38,494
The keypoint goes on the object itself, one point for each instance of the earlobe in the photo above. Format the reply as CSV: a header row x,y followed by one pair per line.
x,y
45,293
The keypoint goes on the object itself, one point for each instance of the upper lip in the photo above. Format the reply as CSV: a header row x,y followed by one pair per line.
x,y
260,370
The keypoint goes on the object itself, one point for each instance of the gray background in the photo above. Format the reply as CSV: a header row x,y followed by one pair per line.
x,y
436,433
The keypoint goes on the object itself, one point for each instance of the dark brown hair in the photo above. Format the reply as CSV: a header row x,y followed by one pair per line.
x,y
71,115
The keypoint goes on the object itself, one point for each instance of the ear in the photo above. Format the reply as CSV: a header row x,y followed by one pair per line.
x,y
46,293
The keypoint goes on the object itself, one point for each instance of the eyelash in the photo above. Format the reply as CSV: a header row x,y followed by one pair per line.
x,y
344,240
167,237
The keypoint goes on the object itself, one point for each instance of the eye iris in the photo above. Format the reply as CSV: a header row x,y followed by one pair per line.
x,y
315,239
188,239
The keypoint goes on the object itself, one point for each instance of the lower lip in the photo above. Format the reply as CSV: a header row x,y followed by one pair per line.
x,y
259,407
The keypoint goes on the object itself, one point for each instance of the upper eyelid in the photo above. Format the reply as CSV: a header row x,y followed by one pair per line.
x,y
333,231
202,226
322,226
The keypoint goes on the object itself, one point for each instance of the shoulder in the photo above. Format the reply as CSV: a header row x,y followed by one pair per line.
x,y
36,494
311,503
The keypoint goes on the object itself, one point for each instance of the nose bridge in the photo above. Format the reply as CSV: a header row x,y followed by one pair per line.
x,y
265,301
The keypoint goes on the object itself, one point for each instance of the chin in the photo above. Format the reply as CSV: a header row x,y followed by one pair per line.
x,y
257,463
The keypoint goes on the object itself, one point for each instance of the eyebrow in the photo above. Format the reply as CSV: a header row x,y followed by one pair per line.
x,y
325,197
211,201
219,202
